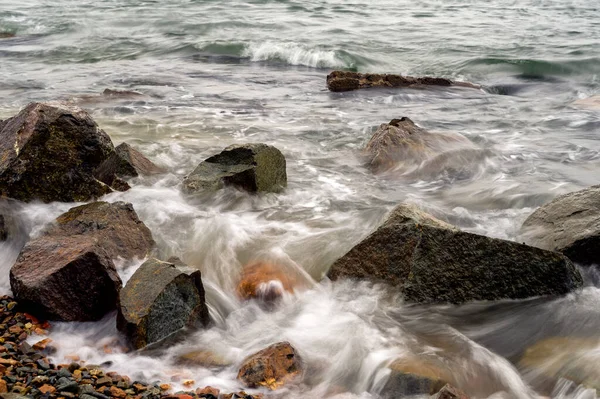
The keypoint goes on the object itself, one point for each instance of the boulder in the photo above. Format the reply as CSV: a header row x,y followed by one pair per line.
x,y
413,377
429,261
124,163
265,281
346,81
569,224
250,167
114,226
160,299
49,152
402,145
272,367
68,278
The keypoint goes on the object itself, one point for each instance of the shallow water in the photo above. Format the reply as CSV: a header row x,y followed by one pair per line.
x,y
214,73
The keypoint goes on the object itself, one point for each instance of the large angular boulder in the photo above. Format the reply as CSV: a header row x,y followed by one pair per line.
x,y
114,226
402,145
272,367
124,163
250,167
160,299
68,278
430,262
67,273
347,81
49,152
569,224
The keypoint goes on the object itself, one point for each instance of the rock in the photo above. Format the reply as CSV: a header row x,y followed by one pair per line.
x,y
65,278
271,367
121,93
573,358
160,299
114,226
569,224
7,35
208,392
202,358
411,376
49,152
589,103
250,167
431,262
402,145
265,281
450,392
346,81
125,162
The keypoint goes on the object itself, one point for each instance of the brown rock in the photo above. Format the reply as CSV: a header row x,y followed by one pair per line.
x,y
117,392
41,345
346,81
402,145
65,278
49,151
202,358
125,162
208,393
272,367
450,392
3,387
47,389
589,103
264,280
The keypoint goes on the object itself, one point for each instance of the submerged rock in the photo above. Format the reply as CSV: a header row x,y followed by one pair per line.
x,y
589,103
124,163
401,144
569,224
450,392
67,273
412,377
346,81
69,278
115,227
272,367
265,281
160,299
430,261
250,167
49,152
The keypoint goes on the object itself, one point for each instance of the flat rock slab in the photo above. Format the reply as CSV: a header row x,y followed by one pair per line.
x,y
250,167
430,263
569,224
347,81
272,367
48,152
160,299
65,278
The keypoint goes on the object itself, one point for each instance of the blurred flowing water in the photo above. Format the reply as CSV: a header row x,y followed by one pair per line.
x,y
215,73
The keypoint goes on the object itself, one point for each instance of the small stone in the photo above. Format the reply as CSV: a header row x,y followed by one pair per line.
x,y
3,387
44,365
41,345
40,331
139,387
86,396
188,383
165,387
15,329
64,373
11,305
104,381
47,389
208,392
117,393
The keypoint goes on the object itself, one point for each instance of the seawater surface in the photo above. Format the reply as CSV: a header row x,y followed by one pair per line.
x,y
215,73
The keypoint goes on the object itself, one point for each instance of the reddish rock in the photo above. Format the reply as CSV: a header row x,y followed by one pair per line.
x,y
41,345
265,281
208,392
116,392
47,389
3,387
271,367
450,392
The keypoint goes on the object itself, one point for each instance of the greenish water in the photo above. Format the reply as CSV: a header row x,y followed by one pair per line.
x,y
215,73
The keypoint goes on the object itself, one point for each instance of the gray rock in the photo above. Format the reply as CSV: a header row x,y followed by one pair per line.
x,y
49,152
401,384
160,299
124,163
347,81
569,224
431,262
250,167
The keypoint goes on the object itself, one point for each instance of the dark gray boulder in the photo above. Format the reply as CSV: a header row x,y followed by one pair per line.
x,y
430,262
250,167
347,81
160,299
125,162
68,278
49,152
569,224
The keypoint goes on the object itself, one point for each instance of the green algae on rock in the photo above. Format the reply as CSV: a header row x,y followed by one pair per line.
x,y
430,263
160,299
250,167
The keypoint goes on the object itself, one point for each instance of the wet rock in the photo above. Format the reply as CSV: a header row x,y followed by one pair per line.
x,y
346,81
49,152
450,392
431,262
572,358
6,35
265,281
115,227
588,103
250,167
124,163
569,224
65,278
402,145
412,376
121,93
208,393
271,367
203,358
160,299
